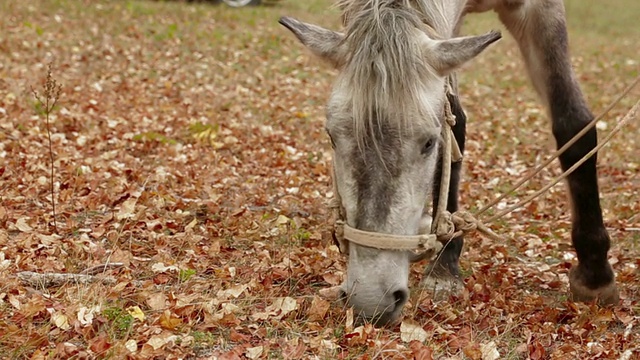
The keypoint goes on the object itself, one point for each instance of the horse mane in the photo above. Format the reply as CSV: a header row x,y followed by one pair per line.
x,y
386,66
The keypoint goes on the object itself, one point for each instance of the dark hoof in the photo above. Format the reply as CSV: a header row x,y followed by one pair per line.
x,y
441,284
605,295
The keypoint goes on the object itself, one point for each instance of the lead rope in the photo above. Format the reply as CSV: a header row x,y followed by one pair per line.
x,y
560,151
447,226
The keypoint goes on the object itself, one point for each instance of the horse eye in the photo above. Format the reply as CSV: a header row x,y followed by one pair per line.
x,y
333,144
428,146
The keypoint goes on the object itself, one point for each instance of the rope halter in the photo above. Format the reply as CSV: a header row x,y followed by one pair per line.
x,y
445,226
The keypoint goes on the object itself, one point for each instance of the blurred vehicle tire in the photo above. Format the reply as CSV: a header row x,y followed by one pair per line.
x,y
241,3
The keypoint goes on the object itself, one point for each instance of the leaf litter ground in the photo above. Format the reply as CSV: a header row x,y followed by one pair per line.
x,y
189,146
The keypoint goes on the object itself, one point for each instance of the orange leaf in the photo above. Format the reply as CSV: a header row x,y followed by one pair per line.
x,y
420,351
169,321
294,350
472,350
536,351
238,337
100,344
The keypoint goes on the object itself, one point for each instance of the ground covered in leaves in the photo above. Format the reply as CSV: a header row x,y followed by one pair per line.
x,y
188,146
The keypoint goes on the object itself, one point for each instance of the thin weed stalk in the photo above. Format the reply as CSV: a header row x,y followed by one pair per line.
x,y
51,94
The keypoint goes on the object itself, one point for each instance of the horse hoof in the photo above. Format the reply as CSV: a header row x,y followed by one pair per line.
x,y
605,295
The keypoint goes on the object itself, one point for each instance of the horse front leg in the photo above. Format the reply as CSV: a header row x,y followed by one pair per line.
x,y
540,30
443,275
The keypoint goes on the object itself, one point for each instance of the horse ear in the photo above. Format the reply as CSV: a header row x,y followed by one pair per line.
x,y
452,53
324,43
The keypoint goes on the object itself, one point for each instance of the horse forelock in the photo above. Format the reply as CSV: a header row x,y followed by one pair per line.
x,y
387,69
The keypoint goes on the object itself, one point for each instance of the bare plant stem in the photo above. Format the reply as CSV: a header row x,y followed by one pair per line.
x,y
51,160
51,95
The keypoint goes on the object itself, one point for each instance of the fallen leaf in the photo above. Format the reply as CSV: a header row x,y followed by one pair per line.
x,y
285,305
160,268
536,351
169,321
318,309
348,321
66,349
14,301
157,301
100,344
331,294
48,240
332,279
623,316
4,263
234,292
489,351
22,225
131,345
328,344
420,351
85,315
410,331
127,209
136,312
158,341
294,349
191,225
278,309
472,351
254,352
238,337
61,320
282,220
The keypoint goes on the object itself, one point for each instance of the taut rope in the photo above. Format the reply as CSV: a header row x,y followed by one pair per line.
x,y
560,151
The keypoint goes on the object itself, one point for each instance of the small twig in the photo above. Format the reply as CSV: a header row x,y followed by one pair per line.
x,y
52,92
98,269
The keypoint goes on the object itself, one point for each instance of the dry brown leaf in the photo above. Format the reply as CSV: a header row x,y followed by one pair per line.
x,y
472,351
420,351
127,209
294,349
331,294
278,309
318,309
100,344
157,301
169,321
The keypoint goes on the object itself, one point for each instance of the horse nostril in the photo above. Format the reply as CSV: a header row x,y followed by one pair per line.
x,y
342,296
400,297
